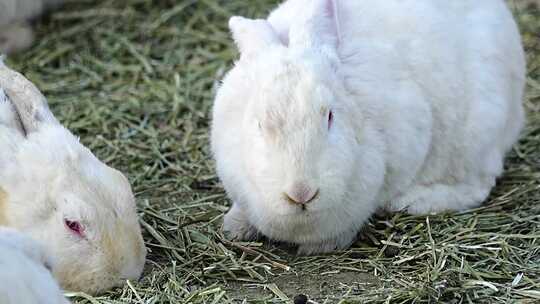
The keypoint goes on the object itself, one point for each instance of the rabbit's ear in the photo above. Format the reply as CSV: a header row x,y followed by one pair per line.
x,y
252,36
317,26
27,100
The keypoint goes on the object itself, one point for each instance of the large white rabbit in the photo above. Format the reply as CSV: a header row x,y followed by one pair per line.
x,y
55,190
23,271
16,33
339,107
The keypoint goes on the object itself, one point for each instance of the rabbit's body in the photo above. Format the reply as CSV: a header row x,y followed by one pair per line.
x,y
58,192
426,98
23,271
15,31
446,134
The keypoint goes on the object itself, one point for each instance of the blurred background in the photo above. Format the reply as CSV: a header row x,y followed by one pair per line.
x,y
135,80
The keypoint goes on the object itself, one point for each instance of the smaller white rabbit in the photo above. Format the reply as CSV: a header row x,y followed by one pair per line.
x,y
55,190
338,108
16,33
24,274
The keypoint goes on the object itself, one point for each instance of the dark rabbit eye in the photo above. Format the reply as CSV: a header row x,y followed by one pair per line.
x,y
75,227
330,119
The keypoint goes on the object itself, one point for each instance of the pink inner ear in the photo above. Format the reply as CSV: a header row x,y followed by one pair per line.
x,y
75,227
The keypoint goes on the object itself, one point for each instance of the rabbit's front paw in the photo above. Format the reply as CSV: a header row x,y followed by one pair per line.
x,y
237,227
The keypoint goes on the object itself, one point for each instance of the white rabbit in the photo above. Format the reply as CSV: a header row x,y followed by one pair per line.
x,y
23,271
15,31
339,107
58,192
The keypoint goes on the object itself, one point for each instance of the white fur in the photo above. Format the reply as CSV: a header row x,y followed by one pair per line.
x,y
15,32
426,97
49,177
23,271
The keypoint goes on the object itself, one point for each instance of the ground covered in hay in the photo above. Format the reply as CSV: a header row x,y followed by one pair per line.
x,y
135,79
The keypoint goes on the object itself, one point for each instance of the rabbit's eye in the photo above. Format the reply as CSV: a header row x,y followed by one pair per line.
x,y
75,227
330,119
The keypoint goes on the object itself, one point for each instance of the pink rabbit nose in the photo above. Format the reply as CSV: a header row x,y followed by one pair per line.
x,y
301,194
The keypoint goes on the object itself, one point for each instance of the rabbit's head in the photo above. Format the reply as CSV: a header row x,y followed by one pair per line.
x,y
59,193
303,139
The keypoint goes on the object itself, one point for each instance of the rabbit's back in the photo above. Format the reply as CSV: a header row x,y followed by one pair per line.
x,y
458,65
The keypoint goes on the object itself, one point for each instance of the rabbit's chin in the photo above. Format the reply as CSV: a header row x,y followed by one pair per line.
x,y
314,231
302,228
